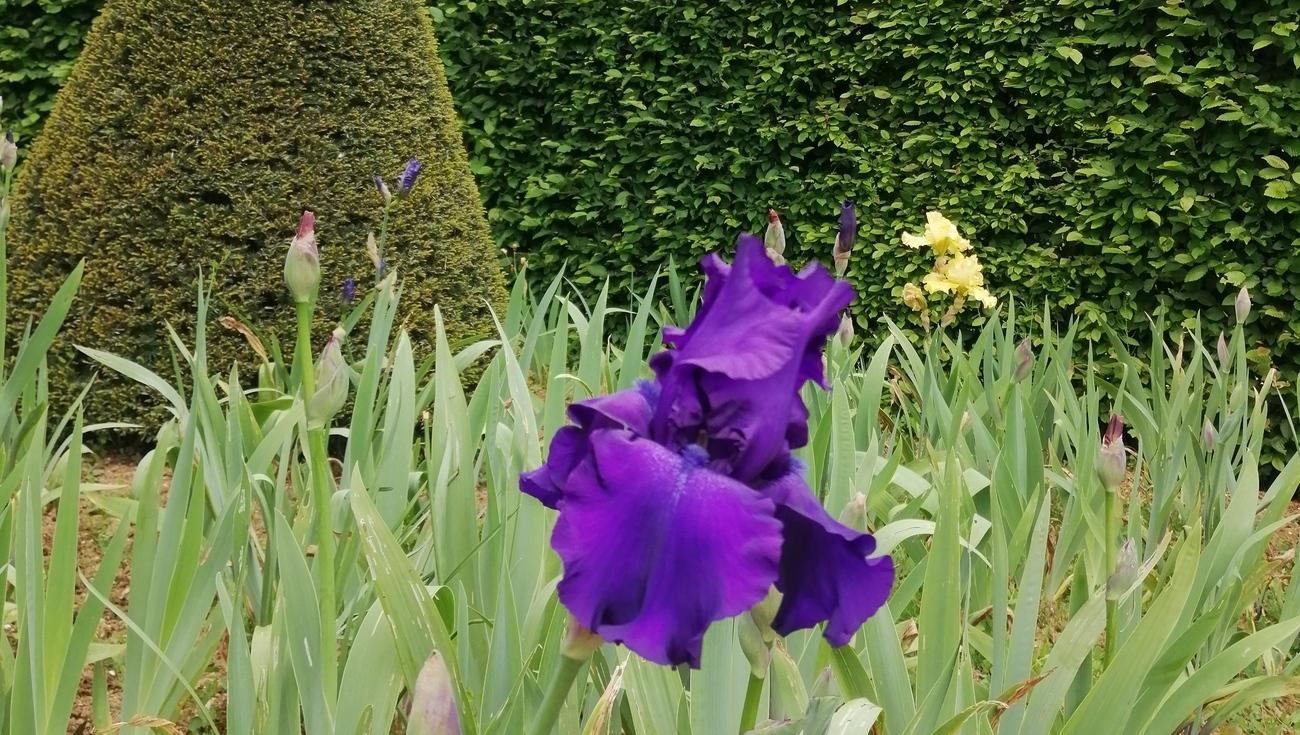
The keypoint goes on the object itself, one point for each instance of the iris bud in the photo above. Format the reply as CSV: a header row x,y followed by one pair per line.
x,y
1243,305
433,703
845,332
788,697
756,634
1209,436
1024,360
757,651
349,293
302,264
846,236
406,181
1125,573
774,238
1112,461
854,514
332,381
372,250
822,684
8,152
1222,347
579,641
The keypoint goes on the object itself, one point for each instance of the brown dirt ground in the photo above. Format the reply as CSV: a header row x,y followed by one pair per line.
x,y
96,528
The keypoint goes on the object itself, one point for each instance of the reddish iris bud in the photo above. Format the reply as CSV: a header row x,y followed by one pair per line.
x,y
1112,459
302,264
774,238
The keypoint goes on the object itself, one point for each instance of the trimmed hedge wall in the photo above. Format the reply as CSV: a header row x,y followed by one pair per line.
x,y
1109,157
39,43
192,135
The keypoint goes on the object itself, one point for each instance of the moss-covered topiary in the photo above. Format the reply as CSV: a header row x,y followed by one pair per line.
x,y
190,137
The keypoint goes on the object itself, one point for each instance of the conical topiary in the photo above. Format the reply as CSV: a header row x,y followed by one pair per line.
x,y
191,136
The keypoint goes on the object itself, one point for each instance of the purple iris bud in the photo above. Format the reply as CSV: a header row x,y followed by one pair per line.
x,y
848,227
406,181
349,290
679,500
847,235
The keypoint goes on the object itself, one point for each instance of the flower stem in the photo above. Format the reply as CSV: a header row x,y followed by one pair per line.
x,y
6,182
319,468
558,691
1111,540
749,715
383,240
302,357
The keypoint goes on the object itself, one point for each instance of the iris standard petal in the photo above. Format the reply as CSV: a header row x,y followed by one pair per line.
x,y
626,409
734,374
656,546
629,409
827,571
741,331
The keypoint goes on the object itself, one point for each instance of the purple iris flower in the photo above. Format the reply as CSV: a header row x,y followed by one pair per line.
x,y
406,181
349,291
679,500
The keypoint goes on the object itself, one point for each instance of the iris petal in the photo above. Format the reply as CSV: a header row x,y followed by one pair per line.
x,y
827,572
735,372
656,546
626,409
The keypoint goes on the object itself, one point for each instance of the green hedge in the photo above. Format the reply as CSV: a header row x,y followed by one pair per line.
x,y
1111,157
173,151
39,42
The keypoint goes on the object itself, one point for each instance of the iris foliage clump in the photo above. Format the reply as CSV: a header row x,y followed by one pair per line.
x,y
289,571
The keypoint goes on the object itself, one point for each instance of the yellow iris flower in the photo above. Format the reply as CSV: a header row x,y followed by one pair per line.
x,y
940,234
962,276
913,297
